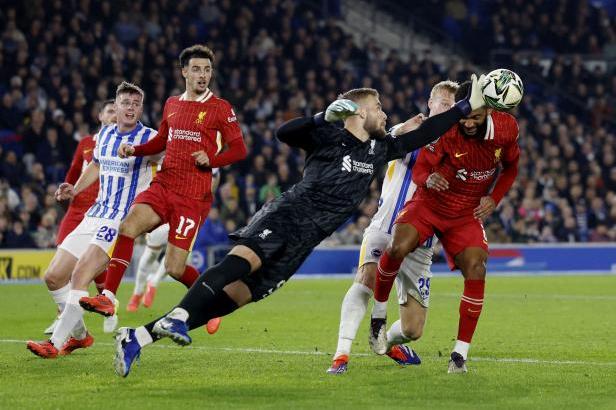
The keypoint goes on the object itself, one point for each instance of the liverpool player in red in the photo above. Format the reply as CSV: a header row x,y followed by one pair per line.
x,y
180,194
454,176
58,272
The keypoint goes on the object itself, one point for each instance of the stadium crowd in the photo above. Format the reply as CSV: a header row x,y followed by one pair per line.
x,y
58,63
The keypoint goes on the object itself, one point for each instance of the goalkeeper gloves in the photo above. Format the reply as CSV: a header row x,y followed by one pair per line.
x,y
340,110
474,99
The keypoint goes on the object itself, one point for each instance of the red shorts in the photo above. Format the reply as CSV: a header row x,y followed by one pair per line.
x,y
72,218
456,234
184,215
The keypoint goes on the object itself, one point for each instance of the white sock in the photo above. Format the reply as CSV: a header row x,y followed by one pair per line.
x,y
160,273
178,313
352,312
143,337
109,294
462,348
60,296
147,264
395,335
69,318
79,331
379,310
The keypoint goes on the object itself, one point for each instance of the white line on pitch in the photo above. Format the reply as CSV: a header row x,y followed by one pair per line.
x,y
318,353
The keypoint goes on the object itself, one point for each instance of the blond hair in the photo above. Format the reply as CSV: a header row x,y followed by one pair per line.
x,y
446,86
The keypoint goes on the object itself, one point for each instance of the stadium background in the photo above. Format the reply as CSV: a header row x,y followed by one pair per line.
x,y
280,59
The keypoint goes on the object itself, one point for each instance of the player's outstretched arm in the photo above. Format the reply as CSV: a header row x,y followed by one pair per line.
x,y
297,132
433,127
154,146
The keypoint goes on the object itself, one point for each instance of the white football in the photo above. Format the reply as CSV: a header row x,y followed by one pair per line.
x,y
502,89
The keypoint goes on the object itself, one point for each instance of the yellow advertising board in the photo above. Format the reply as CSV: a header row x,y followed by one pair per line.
x,y
24,264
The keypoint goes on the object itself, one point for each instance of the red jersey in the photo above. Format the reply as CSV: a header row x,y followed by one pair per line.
x,y
470,165
190,126
81,159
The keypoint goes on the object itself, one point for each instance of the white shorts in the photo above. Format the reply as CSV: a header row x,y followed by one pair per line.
x,y
91,231
158,237
415,274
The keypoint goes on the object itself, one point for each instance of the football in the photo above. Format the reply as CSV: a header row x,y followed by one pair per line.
x,y
502,89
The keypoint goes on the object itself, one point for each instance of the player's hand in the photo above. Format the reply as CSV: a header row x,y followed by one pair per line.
x,y
126,150
409,125
474,98
65,191
485,208
437,182
201,158
340,110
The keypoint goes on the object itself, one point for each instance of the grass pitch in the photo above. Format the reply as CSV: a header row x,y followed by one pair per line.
x,y
542,342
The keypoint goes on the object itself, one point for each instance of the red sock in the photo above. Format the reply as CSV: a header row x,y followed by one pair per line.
x,y
99,281
122,254
189,276
386,273
470,308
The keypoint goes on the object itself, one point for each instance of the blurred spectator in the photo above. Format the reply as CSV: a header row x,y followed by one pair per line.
x,y
17,237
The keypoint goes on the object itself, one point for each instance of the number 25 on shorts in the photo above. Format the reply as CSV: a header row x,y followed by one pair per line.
x,y
185,225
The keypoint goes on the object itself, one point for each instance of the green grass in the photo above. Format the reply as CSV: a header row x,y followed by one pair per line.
x,y
566,325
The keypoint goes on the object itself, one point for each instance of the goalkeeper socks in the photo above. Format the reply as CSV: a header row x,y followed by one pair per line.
x,y
122,253
352,312
470,309
220,306
202,294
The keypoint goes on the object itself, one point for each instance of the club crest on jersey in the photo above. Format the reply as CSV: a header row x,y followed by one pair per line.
x,y
265,233
200,117
497,154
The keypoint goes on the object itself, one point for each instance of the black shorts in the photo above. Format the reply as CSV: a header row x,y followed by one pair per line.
x,y
283,238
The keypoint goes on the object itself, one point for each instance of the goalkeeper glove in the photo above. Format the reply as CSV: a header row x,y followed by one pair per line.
x,y
340,110
474,98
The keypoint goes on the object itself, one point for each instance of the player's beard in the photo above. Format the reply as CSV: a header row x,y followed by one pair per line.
x,y
375,131
480,133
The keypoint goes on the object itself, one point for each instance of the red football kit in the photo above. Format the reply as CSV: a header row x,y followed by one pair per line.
x,y
471,167
84,200
181,191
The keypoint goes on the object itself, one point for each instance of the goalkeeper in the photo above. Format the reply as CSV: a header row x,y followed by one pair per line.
x,y
340,165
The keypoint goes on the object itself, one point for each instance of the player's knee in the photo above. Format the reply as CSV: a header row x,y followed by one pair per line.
x,y
128,228
475,268
398,249
54,279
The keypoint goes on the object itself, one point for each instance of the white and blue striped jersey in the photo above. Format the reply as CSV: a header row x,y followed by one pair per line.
x,y
398,188
121,179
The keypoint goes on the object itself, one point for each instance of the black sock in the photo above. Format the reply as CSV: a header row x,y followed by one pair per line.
x,y
203,293
221,306
206,299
